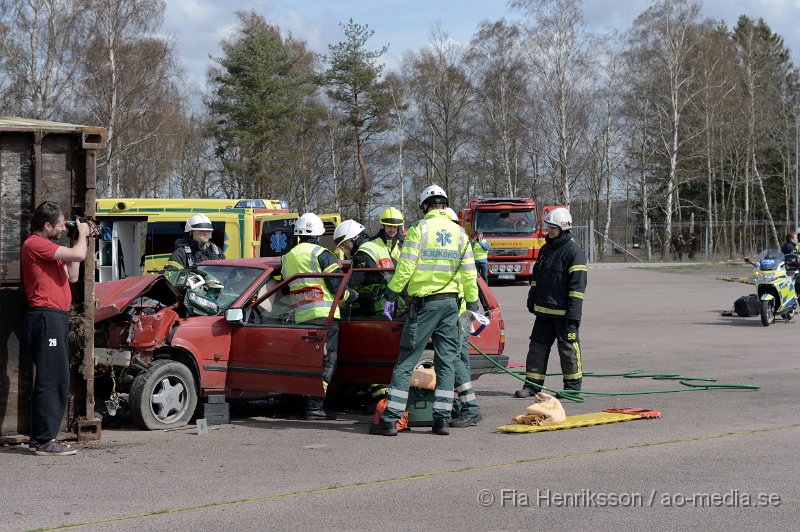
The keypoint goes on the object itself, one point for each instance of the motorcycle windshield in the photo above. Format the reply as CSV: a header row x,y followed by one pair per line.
x,y
770,259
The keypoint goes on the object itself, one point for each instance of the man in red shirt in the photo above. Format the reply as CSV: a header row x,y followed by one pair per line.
x,y
47,270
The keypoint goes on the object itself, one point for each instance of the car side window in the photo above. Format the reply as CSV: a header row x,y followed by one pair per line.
x,y
277,306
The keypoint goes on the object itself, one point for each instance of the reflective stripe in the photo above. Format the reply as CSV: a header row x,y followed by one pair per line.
x,y
572,376
444,393
533,283
333,267
409,256
396,406
577,268
449,268
553,311
394,392
463,387
468,398
535,376
576,294
469,266
410,245
305,280
442,406
577,347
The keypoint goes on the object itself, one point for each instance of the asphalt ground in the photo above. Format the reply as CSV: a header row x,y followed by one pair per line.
x,y
716,460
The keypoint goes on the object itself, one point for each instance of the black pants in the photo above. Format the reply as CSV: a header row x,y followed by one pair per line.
x,y
48,343
565,334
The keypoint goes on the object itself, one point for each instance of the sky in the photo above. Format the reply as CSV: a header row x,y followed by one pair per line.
x,y
198,26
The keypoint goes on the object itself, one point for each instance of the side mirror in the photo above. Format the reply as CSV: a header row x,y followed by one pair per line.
x,y
234,315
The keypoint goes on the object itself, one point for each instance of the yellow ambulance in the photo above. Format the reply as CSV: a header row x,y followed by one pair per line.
x,y
138,234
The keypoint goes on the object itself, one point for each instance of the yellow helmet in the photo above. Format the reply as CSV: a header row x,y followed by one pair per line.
x,y
392,216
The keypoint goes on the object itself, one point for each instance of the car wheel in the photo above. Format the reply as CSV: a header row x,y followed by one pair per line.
x,y
164,396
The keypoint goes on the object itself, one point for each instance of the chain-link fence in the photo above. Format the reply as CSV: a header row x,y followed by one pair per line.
x,y
687,242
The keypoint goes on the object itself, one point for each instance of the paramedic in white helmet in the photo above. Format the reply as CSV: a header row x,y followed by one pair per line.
x,y
196,246
556,298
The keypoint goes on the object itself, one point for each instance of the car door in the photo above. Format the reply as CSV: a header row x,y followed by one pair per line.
x,y
271,353
369,344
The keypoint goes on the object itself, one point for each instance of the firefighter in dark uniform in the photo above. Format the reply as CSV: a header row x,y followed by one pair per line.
x,y
556,298
434,253
313,297
196,246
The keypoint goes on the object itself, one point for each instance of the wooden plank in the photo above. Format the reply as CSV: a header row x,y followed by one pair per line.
x,y
16,201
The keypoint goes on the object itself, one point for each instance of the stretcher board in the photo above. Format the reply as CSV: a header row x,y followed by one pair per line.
x,y
582,420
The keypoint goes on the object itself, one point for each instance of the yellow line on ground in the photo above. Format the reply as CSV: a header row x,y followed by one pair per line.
x,y
432,474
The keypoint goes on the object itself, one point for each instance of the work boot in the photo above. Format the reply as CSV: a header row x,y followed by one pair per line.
x,y
315,410
441,426
384,428
468,420
526,391
571,386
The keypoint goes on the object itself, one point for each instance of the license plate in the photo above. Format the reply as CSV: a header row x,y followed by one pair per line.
x,y
504,276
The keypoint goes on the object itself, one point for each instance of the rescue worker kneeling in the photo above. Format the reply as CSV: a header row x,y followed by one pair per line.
x,y
313,297
434,252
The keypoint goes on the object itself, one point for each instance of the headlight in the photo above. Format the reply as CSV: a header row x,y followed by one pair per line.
x,y
518,267
493,269
501,268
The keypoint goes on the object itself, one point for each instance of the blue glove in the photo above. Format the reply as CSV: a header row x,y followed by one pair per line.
x,y
388,309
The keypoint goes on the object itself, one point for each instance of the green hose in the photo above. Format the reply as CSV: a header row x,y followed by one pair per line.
x,y
572,395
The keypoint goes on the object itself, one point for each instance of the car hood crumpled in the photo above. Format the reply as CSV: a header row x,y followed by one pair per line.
x,y
113,297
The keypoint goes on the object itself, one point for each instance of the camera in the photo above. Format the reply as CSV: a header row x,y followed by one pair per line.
x,y
72,227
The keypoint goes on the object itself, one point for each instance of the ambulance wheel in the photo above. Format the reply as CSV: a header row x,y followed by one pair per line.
x,y
164,396
767,312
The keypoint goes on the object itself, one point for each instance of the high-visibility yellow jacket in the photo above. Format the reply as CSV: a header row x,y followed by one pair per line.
x,y
434,253
480,250
312,297
391,246
370,254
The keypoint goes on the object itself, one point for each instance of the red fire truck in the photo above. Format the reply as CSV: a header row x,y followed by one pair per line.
x,y
513,230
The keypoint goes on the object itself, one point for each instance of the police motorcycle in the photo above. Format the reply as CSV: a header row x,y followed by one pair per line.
x,y
774,274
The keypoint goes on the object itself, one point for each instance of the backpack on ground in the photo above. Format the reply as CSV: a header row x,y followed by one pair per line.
x,y
746,306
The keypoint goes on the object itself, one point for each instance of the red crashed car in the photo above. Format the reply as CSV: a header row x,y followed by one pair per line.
x,y
149,344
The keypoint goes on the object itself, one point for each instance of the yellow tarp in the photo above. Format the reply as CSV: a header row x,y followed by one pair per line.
x,y
582,420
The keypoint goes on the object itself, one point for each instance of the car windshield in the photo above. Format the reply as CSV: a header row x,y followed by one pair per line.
x,y
236,280
505,222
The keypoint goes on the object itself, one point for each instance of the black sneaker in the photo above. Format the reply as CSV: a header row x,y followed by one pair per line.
x,y
53,448
33,445
441,427
466,421
384,428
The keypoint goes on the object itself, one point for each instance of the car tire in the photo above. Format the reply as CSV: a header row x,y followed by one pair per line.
x,y
164,396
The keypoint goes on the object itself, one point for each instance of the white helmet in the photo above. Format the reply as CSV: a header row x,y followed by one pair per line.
x,y
198,222
309,225
452,214
559,217
433,194
346,230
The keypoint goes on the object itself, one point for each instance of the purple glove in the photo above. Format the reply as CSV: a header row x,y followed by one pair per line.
x,y
388,309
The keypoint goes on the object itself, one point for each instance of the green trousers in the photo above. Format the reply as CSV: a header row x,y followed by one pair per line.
x,y
467,403
438,320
